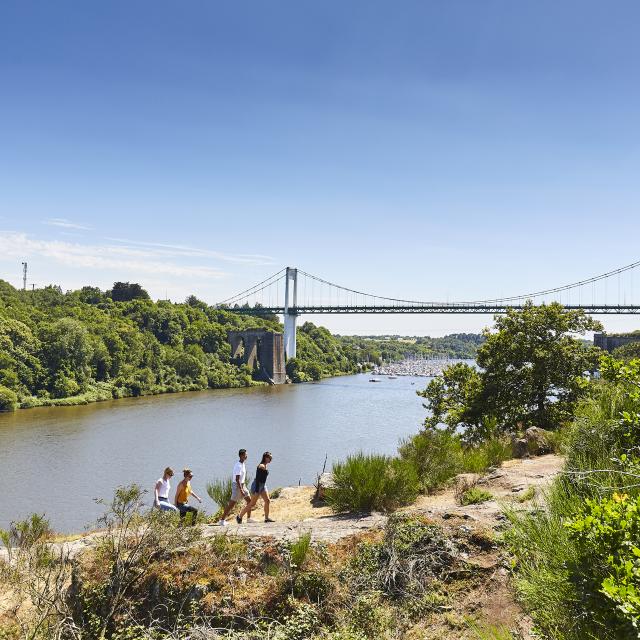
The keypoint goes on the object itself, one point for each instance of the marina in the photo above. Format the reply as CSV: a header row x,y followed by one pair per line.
x,y
420,367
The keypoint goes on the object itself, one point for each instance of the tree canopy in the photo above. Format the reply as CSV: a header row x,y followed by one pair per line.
x,y
531,373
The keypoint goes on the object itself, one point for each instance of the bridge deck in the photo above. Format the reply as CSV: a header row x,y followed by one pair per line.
x,y
435,308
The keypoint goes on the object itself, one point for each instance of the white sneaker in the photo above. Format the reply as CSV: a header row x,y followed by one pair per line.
x,y
250,520
222,523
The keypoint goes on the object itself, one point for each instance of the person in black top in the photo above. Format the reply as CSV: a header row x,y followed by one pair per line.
x,y
259,489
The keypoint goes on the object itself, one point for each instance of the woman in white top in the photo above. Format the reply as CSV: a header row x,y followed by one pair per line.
x,y
161,492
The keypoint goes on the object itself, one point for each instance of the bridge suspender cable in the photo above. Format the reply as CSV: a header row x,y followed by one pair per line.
x,y
494,300
251,290
370,300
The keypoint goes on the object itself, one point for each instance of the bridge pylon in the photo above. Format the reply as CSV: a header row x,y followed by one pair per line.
x,y
290,317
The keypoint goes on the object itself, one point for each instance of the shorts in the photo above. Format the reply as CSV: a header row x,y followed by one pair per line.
x,y
236,494
258,487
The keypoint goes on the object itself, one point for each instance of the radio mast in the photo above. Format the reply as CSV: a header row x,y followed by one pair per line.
x,y
24,276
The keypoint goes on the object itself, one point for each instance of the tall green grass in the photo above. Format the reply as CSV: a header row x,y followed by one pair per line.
x,y
220,491
553,578
545,554
299,550
438,456
366,483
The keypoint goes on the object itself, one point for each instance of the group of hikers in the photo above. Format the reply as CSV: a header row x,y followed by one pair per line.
x,y
239,491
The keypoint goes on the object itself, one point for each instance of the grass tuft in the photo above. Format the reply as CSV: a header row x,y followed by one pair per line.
x,y
299,550
475,495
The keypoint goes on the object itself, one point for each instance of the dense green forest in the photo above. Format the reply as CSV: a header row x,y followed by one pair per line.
x,y
88,345
390,348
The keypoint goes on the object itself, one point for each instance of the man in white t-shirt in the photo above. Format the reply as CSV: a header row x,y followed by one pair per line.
x,y
239,490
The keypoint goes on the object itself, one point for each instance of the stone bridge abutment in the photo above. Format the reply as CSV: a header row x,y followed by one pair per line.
x,y
262,351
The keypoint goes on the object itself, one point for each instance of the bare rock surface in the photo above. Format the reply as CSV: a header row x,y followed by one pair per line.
x,y
323,529
513,478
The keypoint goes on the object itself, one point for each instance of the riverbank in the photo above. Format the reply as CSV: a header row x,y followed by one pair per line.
x,y
235,567
90,447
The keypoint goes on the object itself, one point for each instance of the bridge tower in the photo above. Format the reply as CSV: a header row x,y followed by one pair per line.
x,y
290,317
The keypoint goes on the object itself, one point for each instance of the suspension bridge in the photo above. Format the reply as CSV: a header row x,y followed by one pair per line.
x,y
292,292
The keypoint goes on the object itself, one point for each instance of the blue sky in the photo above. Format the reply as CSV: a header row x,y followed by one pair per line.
x,y
425,150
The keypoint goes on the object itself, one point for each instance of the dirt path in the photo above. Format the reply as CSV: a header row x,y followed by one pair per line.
x,y
506,484
295,514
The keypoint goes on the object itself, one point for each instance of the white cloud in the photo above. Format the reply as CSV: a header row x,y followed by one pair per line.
x,y
95,256
65,224
162,249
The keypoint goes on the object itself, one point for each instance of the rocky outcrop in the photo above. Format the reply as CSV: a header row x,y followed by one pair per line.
x,y
539,441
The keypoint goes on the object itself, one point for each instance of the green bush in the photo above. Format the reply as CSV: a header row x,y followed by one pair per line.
x,y
436,456
8,399
220,491
312,585
490,453
545,556
439,455
475,495
365,483
413,556
369,616
608,537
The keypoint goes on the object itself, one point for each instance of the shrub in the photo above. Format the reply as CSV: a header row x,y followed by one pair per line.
x,y
490,453
364,483
608,537
26,533
369,616
412,556
301,623
220,491
8,399
547,578
312,585
475,495
436,456
527,495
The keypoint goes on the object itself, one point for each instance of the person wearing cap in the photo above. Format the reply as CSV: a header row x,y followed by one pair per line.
x,y
183,493
161,492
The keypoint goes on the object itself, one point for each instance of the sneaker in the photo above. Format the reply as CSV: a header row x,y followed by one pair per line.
x,y
269,520
251,520
222,523
238,519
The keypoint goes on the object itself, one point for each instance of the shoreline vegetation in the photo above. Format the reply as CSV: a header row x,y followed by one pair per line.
x,y
464,548
461,547
78,347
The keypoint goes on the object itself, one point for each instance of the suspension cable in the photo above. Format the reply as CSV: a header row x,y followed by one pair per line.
x,y
250,290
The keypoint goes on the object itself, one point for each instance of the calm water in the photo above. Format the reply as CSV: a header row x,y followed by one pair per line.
x,y
57,460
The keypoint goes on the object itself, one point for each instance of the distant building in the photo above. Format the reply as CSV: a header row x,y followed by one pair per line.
x,y
609,343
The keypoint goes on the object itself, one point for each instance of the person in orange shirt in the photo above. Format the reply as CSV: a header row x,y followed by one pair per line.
x,y
183,492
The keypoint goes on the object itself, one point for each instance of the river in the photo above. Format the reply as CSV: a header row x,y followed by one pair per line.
x,y
58,460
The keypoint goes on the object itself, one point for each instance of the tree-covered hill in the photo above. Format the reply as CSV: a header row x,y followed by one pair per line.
x,y
88,345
